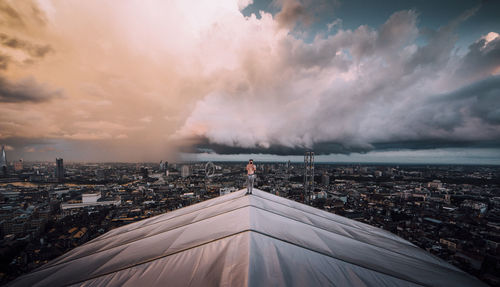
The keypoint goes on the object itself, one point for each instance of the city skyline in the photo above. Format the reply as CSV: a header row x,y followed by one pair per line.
x,y
194,80
49,215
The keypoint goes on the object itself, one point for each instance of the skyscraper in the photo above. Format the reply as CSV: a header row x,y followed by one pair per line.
x,y
59,170
308,175
3,162
163,166
185,171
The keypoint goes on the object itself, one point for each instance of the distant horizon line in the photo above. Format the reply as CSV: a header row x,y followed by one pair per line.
x,y
269,161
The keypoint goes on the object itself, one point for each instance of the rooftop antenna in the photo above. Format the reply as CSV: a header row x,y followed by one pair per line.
x,y
308,175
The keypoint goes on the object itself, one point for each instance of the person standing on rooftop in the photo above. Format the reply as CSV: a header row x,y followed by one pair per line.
x,y
251,168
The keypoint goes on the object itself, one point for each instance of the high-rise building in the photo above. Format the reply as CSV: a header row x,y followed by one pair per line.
x,y
308,175
59,170
185,171
3,162
163,166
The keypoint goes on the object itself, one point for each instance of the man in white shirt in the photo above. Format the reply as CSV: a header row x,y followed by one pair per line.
x,y
251,168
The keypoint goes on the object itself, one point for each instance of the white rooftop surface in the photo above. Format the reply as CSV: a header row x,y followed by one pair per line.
x,y
255,240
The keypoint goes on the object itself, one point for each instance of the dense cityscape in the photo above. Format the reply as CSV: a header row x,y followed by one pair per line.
x,y
48,208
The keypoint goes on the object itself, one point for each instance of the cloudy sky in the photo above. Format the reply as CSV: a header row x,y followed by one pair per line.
x,y
405,81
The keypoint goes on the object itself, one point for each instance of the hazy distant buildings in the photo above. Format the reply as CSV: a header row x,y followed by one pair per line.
x,y
18,165
185,171
436,184
3,162
325,179
144,172
59,170
163,166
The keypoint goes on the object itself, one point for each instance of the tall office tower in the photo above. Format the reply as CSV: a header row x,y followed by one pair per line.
x,y
59,170
3,162
308,175
185,171
163,166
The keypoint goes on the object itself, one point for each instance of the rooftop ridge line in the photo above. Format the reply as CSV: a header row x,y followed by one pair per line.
x,y
232,210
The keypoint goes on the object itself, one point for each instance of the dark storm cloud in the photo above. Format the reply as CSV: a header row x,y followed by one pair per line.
x,y
327,148
34,50
468,116
435,143
25,90
480,100
319,148
440,117
482,58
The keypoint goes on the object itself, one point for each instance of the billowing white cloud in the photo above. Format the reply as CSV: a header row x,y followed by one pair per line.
x,y
356,88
